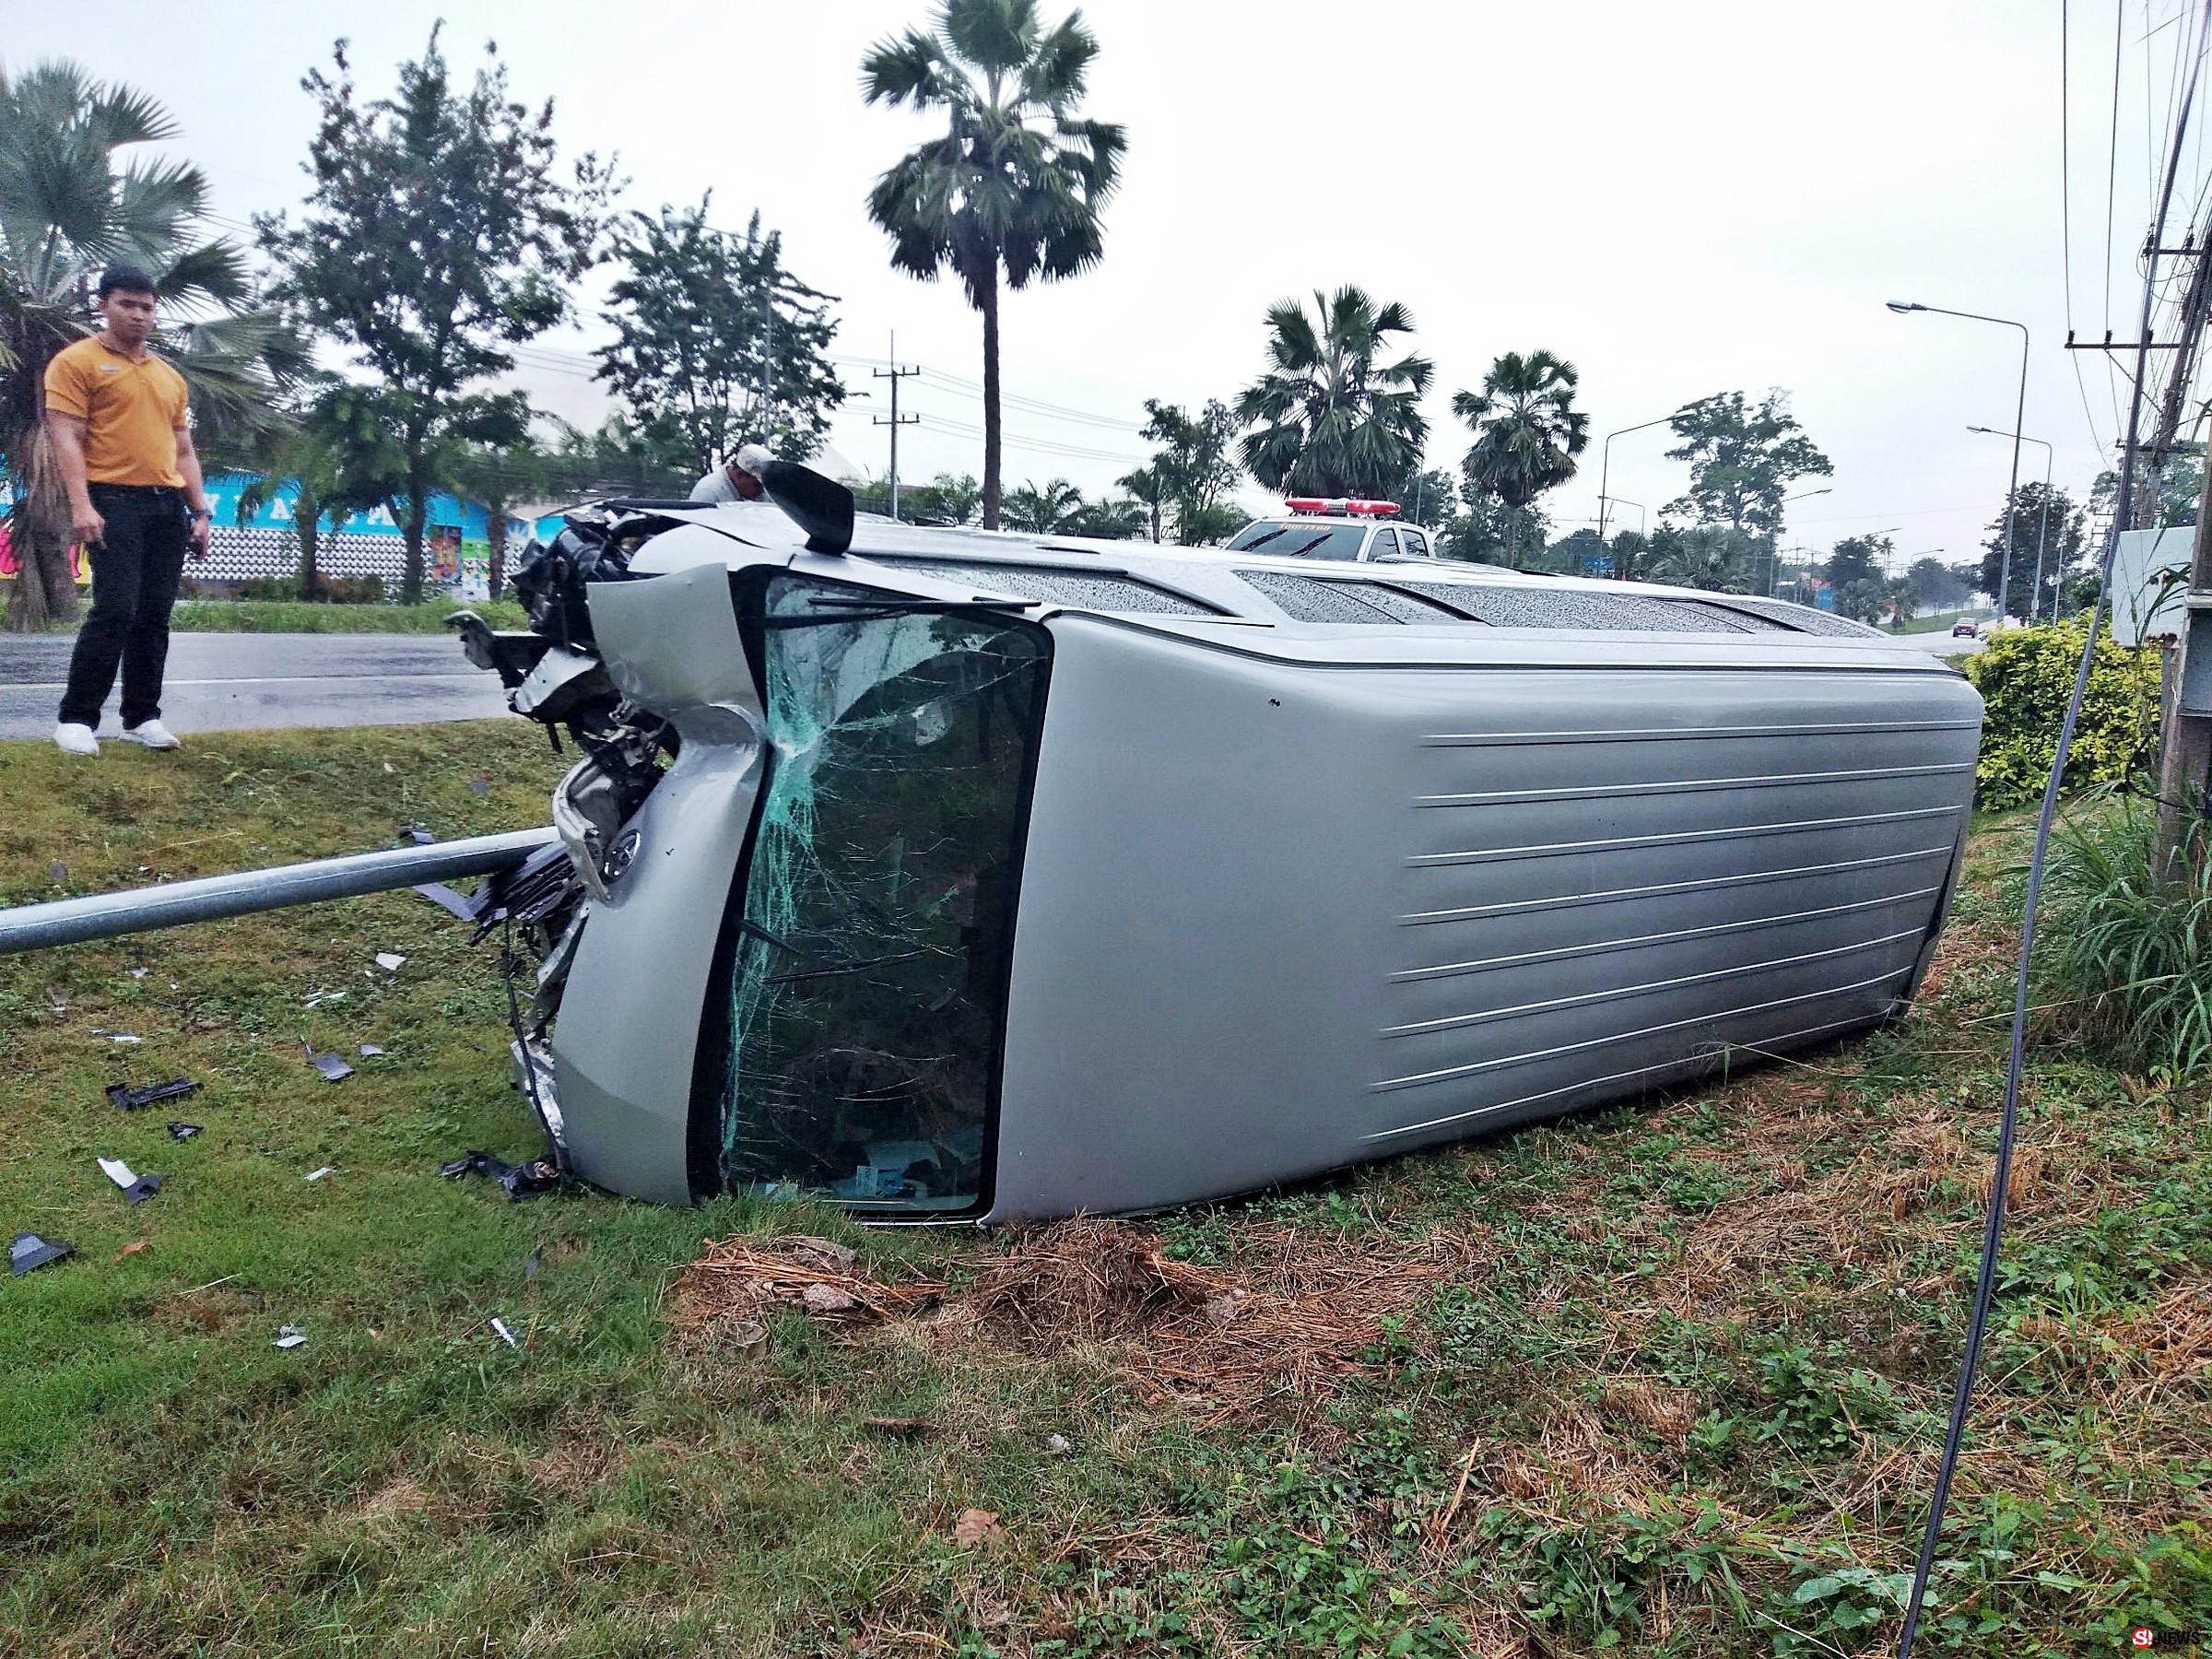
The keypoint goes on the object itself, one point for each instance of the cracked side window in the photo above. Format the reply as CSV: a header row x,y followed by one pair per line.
x,y
868,978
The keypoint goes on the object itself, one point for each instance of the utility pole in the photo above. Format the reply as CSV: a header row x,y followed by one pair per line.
x,y
895,421
2185,769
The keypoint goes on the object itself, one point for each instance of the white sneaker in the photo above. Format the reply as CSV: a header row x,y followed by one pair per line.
x,y
152,734
74,739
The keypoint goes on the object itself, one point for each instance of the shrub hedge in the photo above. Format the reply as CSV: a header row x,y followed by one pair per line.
x,y
2025,675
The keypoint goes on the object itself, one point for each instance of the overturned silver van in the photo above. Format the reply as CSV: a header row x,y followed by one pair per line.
x,y
950,873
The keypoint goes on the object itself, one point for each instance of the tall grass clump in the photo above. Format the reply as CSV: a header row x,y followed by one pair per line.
x,y
2131,957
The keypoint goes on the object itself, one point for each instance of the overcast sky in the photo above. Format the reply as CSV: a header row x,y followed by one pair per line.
x,y
1679,198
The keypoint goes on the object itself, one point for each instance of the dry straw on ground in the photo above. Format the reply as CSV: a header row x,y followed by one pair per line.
x,y
1292,1319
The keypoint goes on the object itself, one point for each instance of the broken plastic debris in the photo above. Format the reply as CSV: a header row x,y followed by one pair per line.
x,y
1058,1445
133,1248
58,871
479,786
137,973
182,1132
333,1067
505,1336
136,1189
318,1174
124,1098
289,1336
438,893
320,997
418,835
369,1050
119,1037
30,1251
388,962
532,1180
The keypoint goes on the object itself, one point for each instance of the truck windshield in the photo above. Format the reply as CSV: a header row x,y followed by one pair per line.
x,y
864,994
1301,539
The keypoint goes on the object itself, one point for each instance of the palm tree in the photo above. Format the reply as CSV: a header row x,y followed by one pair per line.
x,y
1329,418
1527,431
1043,509
1016,185
1712,557
1150,488
65,212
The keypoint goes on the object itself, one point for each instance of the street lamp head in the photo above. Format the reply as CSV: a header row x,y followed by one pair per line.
x,y
1902,306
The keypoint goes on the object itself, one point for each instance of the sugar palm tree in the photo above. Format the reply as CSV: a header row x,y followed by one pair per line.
x,y
1527,430
1329,416
1014,185
65,212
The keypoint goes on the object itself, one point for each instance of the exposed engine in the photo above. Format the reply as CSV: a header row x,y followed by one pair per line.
x,y
553,675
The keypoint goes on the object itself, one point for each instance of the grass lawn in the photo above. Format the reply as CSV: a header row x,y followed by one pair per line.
x,y
1666,1381
292,616
282,616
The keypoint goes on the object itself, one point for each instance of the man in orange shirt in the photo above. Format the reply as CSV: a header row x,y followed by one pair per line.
x,y
116,414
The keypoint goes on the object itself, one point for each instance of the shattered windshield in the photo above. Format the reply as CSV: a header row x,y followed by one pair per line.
x,y
867,977
1301,539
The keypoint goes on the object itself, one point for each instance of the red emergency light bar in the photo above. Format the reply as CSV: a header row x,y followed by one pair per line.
x,y
1341,504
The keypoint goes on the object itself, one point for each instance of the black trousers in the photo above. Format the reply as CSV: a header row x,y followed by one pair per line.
x,y
136,568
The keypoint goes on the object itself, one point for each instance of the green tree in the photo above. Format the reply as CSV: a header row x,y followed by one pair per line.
x,y
1109,518
716,341
330,471
621,458
1043,509
1330,417
2169,499
1632,554
1937,587
1015,185
501,477
949,499
1858,559
1192,470
1527,430
1149,489
2044,519
1713,557
437,234
1484,527
1742,461
68,206
1431,499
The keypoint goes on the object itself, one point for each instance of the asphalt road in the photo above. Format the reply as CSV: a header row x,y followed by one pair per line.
x,y
231,682
1940,642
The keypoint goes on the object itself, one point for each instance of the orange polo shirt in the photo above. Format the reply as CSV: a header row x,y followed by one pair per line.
x,y
130,410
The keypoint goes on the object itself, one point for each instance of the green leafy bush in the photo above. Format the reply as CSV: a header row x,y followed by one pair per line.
x,y
2132,956
2025,675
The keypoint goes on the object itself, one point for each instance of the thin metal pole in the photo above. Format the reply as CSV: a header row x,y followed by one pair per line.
x,y
1605,468
141,909
2019,418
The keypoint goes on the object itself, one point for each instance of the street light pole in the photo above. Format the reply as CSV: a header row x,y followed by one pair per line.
x,y
2043,529
1604,469
2018,421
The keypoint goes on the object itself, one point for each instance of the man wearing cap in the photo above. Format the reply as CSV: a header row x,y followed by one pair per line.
x,y
116,415
728,482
